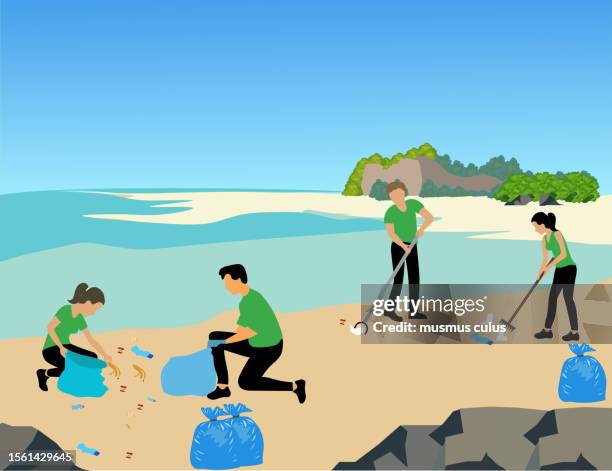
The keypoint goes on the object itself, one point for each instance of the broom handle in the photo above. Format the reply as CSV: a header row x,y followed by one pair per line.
x,y
537,281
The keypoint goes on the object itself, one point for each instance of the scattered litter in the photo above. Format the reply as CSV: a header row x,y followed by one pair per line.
x,y
82,376
361,328
128,426
582,377
226,443
151,399
120,350
140,406
141,353
140,373
481,339
342,321
85,449
115,371
129,454
123,388
78,406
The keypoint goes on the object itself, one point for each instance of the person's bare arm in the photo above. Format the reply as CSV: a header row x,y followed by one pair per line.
x,y
242,333
97,347
394,237
427,220
53,334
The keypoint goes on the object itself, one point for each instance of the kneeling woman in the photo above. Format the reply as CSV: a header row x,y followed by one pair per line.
x,y
564,278
69,320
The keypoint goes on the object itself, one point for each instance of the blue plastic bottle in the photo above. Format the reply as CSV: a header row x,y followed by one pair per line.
x,y
141,353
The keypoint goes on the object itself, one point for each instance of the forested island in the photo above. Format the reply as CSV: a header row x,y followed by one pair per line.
x,y
425,173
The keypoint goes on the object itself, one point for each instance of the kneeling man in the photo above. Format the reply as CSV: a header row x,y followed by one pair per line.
x,y
258,337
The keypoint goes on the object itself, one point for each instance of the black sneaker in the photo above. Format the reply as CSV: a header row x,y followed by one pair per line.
x,y
300,390
42,379
543,334
571,337
218,393
417,315
393,316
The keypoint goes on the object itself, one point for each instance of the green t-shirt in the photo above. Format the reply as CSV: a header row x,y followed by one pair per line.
x,y
404,223
553,246
257,315
67,326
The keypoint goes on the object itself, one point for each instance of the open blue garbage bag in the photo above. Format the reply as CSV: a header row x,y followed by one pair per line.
x,y
213,444
248,440
82,376
189,375
582,377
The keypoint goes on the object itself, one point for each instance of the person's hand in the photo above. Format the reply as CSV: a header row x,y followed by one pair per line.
x,y
63,350
215,343
542,272
406,248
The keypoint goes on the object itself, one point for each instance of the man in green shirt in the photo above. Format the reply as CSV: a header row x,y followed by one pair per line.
x,y
401,224
258,337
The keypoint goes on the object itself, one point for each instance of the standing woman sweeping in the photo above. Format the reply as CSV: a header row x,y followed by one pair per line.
x,y
564,278
69,320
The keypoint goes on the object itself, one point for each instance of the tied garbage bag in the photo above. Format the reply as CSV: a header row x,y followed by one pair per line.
x,y
213,444
189,375
582,377
82,376
248,440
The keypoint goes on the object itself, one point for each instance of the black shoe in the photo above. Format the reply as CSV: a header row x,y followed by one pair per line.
x,y
543,334
219,393
418,315
571,337
300,390
393,316
42,379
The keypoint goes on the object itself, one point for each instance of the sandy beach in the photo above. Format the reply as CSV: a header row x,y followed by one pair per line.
x,y
357,394
580,222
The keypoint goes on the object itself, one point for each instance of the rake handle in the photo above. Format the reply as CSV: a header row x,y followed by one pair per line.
x,y
537,281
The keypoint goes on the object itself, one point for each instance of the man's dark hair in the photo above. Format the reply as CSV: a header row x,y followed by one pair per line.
x,y
236,271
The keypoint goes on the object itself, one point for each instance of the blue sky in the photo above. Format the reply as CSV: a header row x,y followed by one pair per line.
x,y
134,93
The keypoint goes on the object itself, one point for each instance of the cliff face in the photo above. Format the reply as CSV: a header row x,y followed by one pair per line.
x,y
414,172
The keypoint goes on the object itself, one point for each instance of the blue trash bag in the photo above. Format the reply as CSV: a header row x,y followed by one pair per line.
x,y
82,376
248,440
213,444
582,377
189,375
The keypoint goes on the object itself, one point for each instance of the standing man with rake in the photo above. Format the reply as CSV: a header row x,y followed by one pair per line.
x,y
401,224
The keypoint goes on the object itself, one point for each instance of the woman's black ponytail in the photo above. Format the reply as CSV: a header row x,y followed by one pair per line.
x,y
549,220
83,293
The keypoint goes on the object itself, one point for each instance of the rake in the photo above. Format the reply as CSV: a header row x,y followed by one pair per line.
x,y
508,324
399,266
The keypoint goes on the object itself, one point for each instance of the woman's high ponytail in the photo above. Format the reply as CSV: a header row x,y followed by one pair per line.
x,y
83,293
549,220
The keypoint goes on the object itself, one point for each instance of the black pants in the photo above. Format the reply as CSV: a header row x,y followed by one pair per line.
x,y
563,280
53,356
412,266
259,360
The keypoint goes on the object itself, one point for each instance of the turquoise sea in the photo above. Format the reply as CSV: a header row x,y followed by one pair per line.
x,y
157,275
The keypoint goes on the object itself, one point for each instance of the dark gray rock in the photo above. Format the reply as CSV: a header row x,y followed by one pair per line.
x,y
27,439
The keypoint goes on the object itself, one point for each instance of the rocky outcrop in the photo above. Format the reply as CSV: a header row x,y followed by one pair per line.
x,y
26,440
498,438
413,172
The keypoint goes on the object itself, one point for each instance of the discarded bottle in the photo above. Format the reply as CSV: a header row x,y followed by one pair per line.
x,y
85,449
78,406
141,353
151,399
